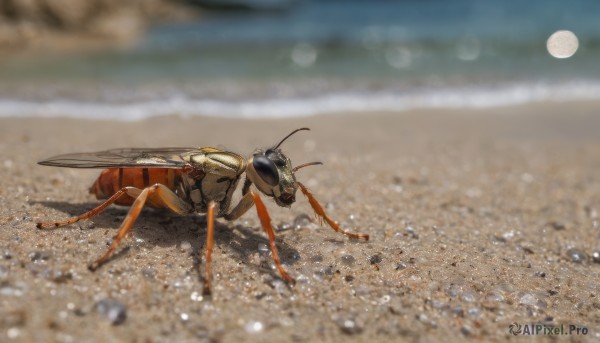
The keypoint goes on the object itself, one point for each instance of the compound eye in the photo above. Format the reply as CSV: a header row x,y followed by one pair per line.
x,y
266,169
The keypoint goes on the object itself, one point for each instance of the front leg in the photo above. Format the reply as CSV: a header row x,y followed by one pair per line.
x,y
248,200
265,220
321,213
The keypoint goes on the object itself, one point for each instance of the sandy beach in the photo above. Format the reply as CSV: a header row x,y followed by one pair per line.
x,y
478,219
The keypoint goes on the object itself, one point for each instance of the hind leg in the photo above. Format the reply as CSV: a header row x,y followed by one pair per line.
x,y
160,196
94,212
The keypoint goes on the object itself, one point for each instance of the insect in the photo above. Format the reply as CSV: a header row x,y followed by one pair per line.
x,y
192,180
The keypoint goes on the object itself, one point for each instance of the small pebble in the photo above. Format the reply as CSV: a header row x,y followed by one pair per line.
x,y
13,333
494,297
317,258
577,255
302,220
279,286
474,312
348,260
401,266
15,290
113,310
284,227
465,331
436,303
452,290
531,299
6,255
294,256
57,275
263,248
596,256
86,225
349,326
375,259
185,246
195,296
385,299
39,256
468,297
507,236
253,326
321,273
363,290
411,231
185,282
458,311
149,272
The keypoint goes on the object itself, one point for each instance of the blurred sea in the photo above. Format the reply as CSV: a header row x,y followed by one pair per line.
x,y
320,56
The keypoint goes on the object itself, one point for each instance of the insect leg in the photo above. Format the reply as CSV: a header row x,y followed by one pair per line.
x,y
242,207
265,220
158,193
126,226
94,212
321,213
210,239
162,196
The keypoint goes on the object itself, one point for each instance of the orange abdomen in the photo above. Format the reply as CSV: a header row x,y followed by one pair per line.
x,y
112,180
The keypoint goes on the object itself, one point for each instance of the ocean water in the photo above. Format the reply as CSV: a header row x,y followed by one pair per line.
x,y
322,56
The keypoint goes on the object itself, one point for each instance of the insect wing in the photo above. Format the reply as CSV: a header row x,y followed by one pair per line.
x,y
122,158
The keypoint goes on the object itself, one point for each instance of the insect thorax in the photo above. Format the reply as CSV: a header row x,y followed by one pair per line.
x,y
210,187
214,177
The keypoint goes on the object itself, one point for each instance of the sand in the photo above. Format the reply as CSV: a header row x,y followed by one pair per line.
x,y
473,217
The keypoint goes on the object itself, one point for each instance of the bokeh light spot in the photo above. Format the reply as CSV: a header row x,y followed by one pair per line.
x,y
562,44
304,55
398,57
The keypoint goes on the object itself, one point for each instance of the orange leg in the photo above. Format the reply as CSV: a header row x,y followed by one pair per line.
x,y
210,221
159,195
94,212
126,226
321,213
265,220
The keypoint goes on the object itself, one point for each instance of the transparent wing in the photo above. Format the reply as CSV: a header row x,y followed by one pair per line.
x,y
122,158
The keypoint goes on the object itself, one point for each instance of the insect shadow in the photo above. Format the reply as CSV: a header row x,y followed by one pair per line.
x,y
163,228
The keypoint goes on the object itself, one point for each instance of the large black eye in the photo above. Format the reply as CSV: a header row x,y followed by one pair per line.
x,y
266,170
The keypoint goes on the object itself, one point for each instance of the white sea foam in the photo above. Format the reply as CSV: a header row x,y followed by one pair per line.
x,y
468,97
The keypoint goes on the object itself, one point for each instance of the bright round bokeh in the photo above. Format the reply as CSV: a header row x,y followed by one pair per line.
x,y
562,44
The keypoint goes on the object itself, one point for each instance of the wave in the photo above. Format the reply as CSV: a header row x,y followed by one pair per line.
x,y
337,102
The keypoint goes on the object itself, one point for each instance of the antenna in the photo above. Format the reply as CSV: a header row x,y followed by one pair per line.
x,y
306,165
288,136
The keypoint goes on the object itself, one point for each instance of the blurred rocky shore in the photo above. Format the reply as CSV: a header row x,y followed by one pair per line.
x,y
74,24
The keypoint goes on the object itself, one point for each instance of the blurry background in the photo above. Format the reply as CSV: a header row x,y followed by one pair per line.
x,y
277,58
